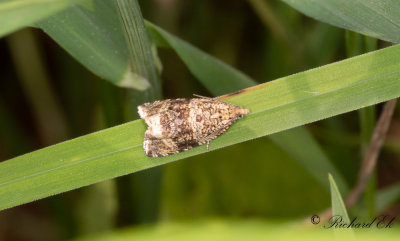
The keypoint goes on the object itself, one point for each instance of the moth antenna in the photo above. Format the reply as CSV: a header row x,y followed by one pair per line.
x,y
205,97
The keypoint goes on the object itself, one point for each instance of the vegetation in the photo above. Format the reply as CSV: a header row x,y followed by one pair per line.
x,y
73,73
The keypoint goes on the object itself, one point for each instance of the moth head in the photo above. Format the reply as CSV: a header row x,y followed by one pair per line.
x,y
142,111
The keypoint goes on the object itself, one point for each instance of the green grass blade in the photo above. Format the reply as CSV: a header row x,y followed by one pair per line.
x,y
18,14
357,44
220,78
338,207
143,188
339,214
138,44
275,106
94,36
379,19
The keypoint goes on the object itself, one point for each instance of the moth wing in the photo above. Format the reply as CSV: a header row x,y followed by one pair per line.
x,y
160,106
151,108
166,146
216,133
159,147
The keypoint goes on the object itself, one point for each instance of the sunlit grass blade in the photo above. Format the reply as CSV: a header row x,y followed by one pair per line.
x,y
18,14
220,78
274,106
379,19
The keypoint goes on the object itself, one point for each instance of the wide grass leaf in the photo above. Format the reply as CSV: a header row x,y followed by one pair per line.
x,y
93,34
18,14
274,106
219,78
379,19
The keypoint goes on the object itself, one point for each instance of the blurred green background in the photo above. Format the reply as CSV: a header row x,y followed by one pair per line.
x,y
256,179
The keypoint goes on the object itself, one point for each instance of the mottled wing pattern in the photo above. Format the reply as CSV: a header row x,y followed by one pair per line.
x,y
152,108
216,133
165,147
159,147
214,119
180,124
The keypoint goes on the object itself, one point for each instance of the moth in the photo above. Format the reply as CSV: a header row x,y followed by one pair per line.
x,y
176,125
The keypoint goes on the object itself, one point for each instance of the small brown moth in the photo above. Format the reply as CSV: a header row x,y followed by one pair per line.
x,y
177,125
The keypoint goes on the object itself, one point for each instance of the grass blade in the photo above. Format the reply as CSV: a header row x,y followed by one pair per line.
x,y
94,36
275,106
338,207
339,214
18,14
140,54
379,19
220,78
